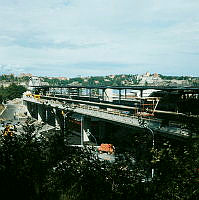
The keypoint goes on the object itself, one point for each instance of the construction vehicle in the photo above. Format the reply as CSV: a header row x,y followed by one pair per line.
x,y
106,148
8,131
28,95
37,96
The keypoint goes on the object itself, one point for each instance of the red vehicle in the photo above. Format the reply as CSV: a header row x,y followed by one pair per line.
x,y
108,148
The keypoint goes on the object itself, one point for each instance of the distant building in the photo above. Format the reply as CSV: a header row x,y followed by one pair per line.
x,y
34,81
148,79
147,74
155,75
25,74
179,82
112,76
63,78
75,83
59,78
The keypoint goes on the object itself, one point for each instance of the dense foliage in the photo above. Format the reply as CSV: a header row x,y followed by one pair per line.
x,y
34,166
110,80
124,80
13,79
11,92
114,80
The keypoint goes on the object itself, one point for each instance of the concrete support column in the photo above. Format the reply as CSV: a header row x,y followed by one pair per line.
x,y
90,93
125,93
33,109
141,93
50,116
103,94
78,92
102,129
27,111
60,119
119,96
56,120
42,112
85,127
86,123
39,117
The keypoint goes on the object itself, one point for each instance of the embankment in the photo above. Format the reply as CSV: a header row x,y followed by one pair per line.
x,y
2,107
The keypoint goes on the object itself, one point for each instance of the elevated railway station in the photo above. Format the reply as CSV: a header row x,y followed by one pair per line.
x,y
177,99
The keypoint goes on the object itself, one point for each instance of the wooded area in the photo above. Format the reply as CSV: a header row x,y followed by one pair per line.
x,y
11,92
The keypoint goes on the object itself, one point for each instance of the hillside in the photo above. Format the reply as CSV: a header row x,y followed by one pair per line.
x,y
110,80
125,80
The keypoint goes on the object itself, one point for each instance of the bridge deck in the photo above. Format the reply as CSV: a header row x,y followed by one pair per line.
x,y
116,117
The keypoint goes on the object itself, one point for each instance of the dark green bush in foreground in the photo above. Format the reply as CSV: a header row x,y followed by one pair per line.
x,y
46,168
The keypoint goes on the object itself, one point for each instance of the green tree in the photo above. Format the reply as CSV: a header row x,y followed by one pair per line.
x,y
41,166
12,92
175,176
1,99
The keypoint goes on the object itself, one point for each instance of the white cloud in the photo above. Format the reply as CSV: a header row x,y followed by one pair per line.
x,y
156,34
9,68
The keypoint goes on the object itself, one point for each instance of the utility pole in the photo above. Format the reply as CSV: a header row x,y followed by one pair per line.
x,y
82,130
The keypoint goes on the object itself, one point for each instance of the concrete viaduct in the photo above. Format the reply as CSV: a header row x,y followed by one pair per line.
x,y
55,111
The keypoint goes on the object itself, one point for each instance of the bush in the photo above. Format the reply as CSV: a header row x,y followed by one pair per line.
x,y
44,167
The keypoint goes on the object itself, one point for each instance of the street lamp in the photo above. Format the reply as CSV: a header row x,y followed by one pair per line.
x,y
151,131
153,144
143,124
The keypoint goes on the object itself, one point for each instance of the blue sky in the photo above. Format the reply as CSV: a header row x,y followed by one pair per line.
x,y
99,37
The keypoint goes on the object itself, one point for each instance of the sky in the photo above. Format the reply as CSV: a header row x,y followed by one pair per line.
x,y
99,37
